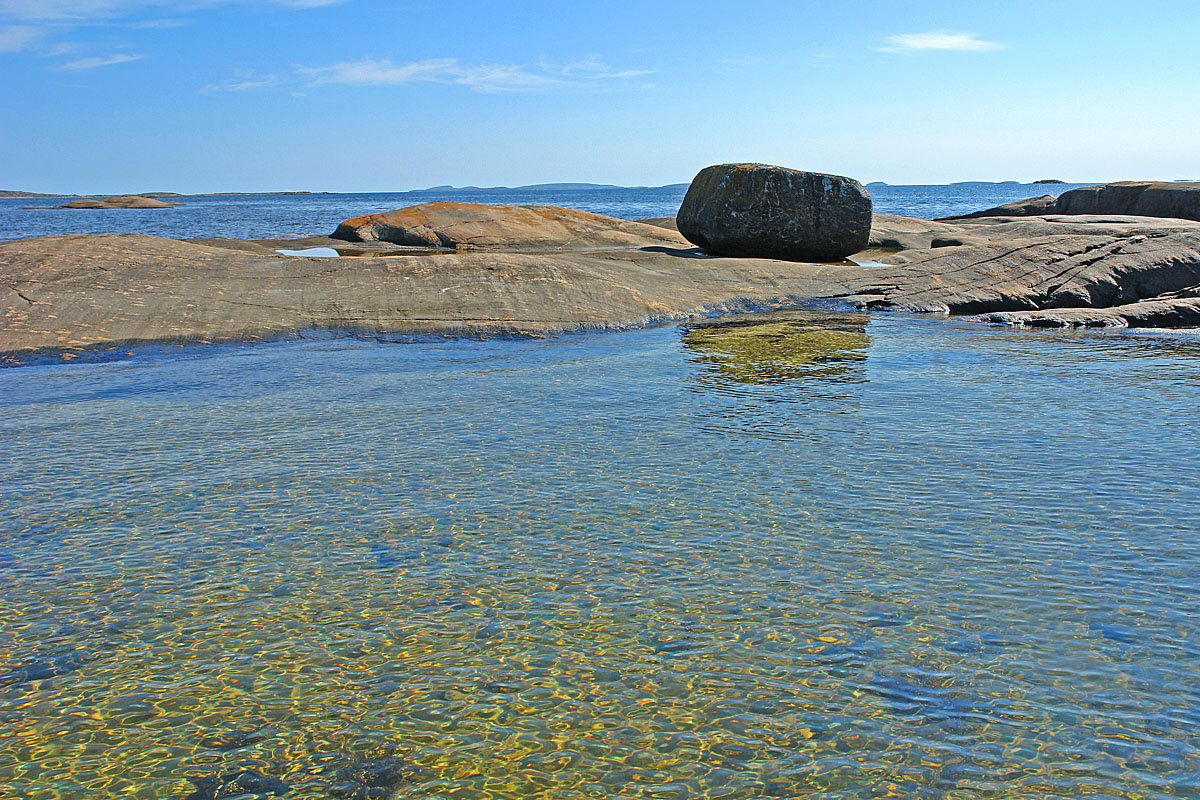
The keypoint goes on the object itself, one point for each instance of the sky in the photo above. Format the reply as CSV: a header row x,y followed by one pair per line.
x,y
107,96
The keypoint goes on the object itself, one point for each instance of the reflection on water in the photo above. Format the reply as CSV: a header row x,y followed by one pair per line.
x,y
543,569
783,346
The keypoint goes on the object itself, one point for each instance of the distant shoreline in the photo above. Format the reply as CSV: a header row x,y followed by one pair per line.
x,y
537,187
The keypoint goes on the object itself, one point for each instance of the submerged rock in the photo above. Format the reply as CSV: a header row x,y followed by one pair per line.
x,y
761,211
240,784
41,670
782,347
231,740
376,778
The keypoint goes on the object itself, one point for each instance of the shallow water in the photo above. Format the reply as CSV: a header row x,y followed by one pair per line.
x,y
824,557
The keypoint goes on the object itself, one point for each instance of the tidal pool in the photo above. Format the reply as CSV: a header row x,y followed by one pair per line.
x,y
804,555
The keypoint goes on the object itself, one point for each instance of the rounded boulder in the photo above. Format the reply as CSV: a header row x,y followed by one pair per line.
x,y
761,211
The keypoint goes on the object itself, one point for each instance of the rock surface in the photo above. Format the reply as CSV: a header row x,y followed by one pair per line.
x,y
1179,200
1140,198
69,293
100,291
1015,264
120,201
1031,207
1172,310
496,227
755,210
669,223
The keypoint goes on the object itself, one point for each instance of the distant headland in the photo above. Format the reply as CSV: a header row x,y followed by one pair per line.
x,y
547,187
533,187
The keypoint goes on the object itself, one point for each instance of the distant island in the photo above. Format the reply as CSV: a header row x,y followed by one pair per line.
x,y
227,194
533,187
9,194
119,201
542,187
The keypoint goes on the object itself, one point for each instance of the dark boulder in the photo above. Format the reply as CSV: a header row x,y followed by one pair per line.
x,y
755,210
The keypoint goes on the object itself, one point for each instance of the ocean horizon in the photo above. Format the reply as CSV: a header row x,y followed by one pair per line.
x,y
263,216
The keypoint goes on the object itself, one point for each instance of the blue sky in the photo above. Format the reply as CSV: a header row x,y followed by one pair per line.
x,y
362,95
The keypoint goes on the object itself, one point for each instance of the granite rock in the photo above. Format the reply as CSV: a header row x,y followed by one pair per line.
x,y
65,294
1031,207
496,227
761,211
1138,198
1177,200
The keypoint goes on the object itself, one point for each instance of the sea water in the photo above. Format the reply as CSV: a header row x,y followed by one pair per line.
x,y
803,555
275,216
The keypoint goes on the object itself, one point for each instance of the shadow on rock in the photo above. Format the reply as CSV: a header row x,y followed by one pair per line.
x,y
679,252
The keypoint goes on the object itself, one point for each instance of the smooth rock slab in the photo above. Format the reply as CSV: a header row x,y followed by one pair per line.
x,y
70,293
1030,207
501,227
761,211
1175,200
1139,198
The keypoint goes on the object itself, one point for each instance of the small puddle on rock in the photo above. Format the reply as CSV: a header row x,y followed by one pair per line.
x,y
335,252
312,252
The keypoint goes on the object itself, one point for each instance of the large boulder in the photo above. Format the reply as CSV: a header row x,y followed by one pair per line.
x,y
755,210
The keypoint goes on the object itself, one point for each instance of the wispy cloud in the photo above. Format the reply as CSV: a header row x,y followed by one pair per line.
x,y
479,77
99,61
243,84
937,40
591,68
14,38
157,24
371,72
91,10
39,26
741,61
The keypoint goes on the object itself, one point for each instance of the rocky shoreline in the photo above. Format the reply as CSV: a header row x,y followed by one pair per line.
x,y
513,270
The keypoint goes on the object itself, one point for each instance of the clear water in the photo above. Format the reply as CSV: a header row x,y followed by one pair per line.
x,y
829,557
273,216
